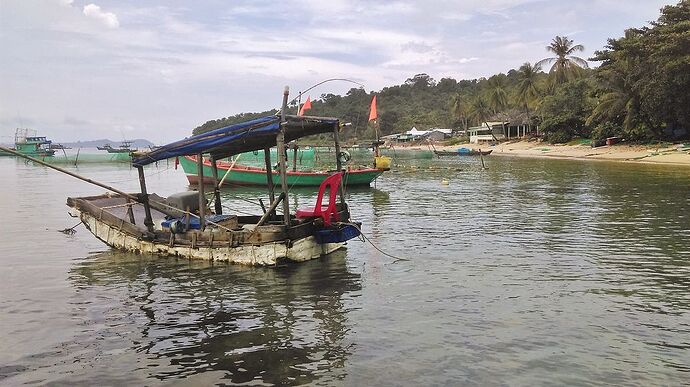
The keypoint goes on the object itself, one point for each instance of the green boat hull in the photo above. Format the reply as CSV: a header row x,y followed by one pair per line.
x,y
244,175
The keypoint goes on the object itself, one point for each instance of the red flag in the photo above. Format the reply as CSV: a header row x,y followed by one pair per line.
x,y
372,112
306,106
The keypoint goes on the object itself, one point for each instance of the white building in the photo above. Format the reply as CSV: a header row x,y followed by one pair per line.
x,y
483,133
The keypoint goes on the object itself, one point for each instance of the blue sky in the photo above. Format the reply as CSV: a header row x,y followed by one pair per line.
x,y
155,69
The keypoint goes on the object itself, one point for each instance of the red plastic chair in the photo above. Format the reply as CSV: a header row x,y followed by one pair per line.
x,y
330,212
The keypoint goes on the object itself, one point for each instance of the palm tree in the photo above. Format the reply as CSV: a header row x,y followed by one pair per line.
x,y
617,102
498,98
479,111
527,89
458,109
565,66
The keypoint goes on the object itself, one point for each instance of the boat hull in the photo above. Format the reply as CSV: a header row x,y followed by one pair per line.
x,y
266,254
463,152
252,176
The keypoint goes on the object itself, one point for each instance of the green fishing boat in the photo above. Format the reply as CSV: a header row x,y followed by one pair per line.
x,y
246,175
26,142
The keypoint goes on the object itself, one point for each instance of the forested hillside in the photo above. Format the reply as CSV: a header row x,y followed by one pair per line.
x,y
640,91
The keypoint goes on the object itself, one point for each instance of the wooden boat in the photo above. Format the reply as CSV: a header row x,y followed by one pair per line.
x,y
125,147
473,152
181,225
440,153
463,152
26,142
246,175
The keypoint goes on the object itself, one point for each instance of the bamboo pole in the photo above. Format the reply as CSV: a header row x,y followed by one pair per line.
x,y
216,189
148,221
202,198
269,174
35,160
294,158
220,185
272,208
280,142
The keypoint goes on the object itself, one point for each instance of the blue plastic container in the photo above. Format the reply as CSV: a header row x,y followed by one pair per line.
x,y
337,234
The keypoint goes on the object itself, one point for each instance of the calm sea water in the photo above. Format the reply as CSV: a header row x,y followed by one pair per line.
x,y
533,272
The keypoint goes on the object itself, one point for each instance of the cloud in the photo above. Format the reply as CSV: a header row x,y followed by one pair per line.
x,y
172,66
107,18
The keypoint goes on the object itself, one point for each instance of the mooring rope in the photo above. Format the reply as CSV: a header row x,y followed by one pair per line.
x,y
70,230
397,259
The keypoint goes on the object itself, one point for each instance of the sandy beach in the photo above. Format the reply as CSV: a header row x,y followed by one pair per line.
x,y
675,154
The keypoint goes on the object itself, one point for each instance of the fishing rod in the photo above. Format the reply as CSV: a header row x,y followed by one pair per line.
x,y
301,93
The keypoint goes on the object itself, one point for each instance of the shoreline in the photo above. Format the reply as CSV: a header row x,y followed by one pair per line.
x,y
642,154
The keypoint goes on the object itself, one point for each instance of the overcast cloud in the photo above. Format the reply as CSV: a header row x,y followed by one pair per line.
x,y
92,69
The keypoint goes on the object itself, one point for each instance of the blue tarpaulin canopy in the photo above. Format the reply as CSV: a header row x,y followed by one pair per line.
x,y
238,138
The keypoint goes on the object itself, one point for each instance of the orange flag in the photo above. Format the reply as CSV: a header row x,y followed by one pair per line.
x,y
372,112
306,106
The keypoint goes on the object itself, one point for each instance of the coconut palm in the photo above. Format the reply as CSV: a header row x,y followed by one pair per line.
x,y
618,102
458,109
527,89
498,97
479,111
565,66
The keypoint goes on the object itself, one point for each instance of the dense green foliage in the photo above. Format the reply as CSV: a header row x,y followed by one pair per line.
x,y
643,83
640,92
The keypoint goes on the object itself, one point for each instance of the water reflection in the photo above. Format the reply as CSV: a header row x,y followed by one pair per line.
x,y
276,326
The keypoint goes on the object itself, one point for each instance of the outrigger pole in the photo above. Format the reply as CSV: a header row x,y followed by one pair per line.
x,y
109,188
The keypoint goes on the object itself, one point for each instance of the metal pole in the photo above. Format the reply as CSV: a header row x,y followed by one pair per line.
x,y
202,197
148,221
280,142
216,189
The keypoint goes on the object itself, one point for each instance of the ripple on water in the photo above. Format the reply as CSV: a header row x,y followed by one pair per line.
x,y
531,272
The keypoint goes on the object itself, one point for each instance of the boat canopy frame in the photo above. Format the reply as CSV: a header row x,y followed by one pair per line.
x,y
261,133
257,134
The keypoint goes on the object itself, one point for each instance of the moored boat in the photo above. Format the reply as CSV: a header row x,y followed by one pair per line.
x,y
463,152
182,225
125,147
27,143
246,175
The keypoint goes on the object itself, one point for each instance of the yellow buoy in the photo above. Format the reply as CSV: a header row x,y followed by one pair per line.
x,y
382,162
445,182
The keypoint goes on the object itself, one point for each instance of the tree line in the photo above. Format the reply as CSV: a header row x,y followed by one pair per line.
x,y
639,91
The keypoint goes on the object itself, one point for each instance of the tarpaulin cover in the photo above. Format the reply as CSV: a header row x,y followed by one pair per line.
x,y
238,138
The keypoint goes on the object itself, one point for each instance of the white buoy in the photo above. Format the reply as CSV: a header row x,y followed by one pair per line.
x,y
445,182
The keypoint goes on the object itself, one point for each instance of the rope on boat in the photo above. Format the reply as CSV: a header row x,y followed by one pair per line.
x,y
397,259
70,230
211,194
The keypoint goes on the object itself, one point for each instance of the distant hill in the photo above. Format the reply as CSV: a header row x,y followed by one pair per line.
x,y
137,143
